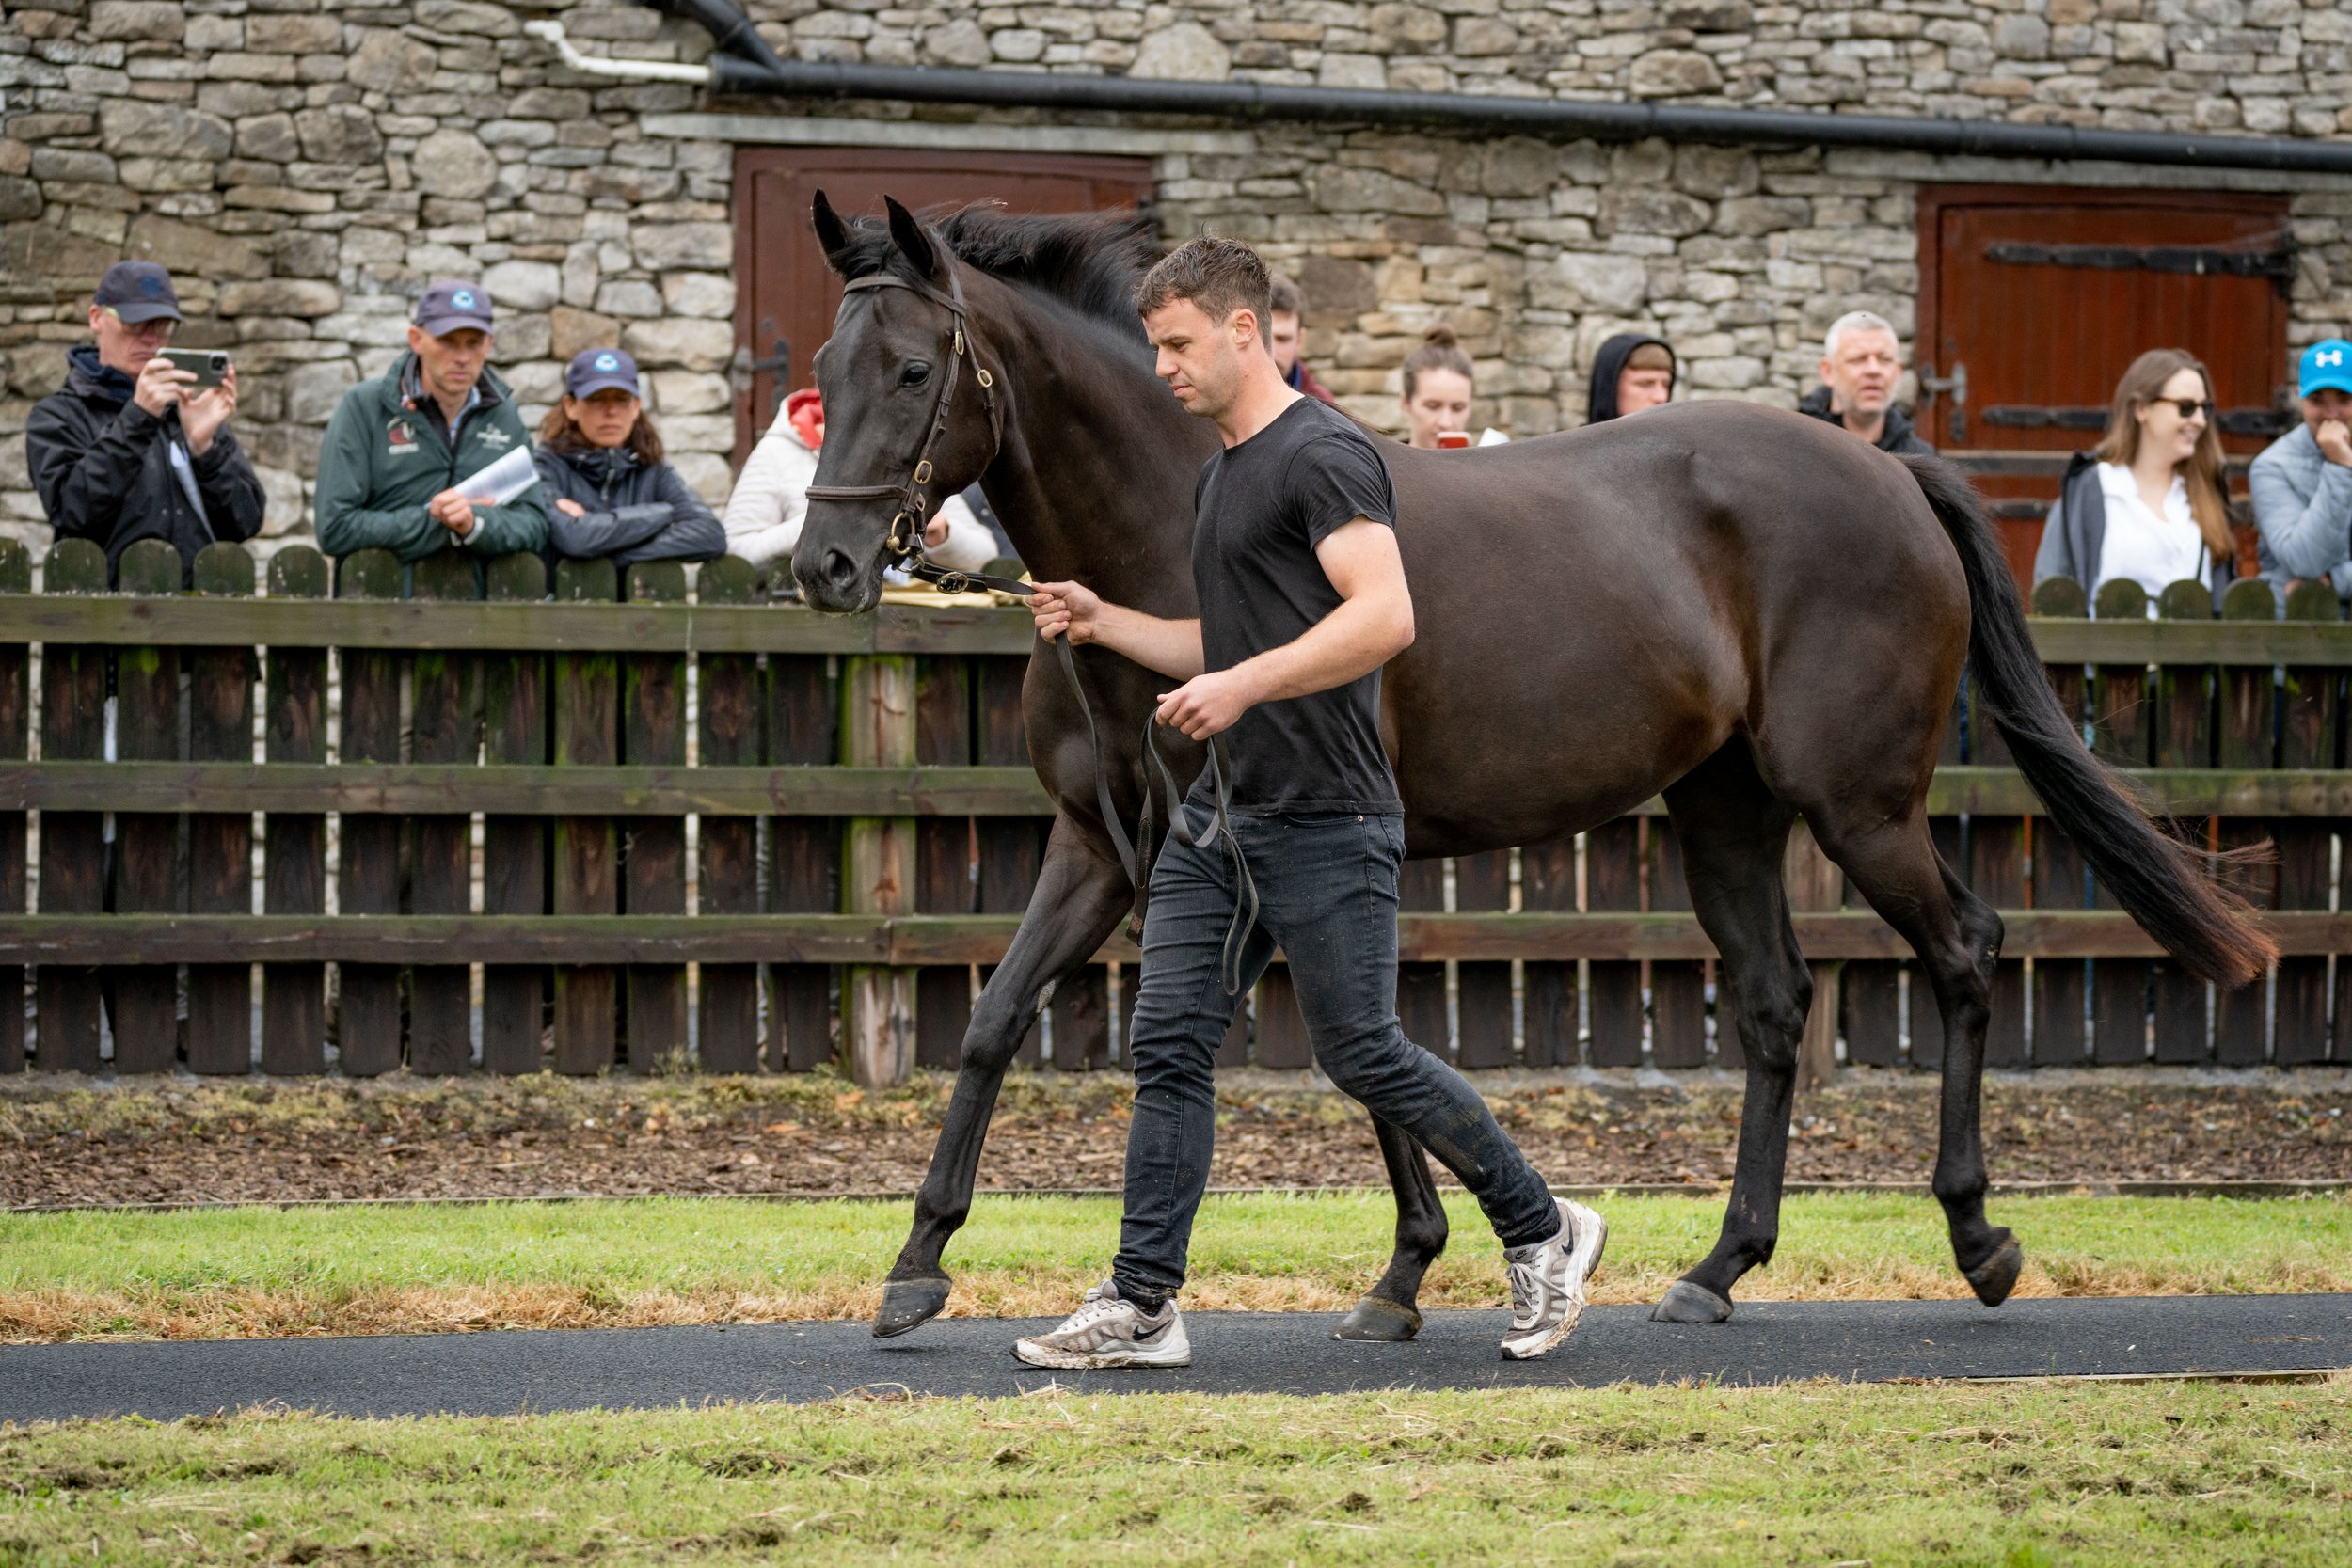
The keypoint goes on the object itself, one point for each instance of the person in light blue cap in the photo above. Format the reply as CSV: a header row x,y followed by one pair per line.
x,y
610,493
2302,482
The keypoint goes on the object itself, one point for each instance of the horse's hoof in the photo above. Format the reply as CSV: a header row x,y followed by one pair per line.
x,y
908,1305
1996,1277
1378,1318
1686,1303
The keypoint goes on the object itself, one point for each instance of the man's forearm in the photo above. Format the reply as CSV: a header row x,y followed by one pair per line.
x,y
1170,647
1357,638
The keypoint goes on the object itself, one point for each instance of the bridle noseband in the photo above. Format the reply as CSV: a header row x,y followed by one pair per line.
x,y
905,543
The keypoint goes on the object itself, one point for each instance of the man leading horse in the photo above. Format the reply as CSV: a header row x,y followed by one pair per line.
x,y
1302,598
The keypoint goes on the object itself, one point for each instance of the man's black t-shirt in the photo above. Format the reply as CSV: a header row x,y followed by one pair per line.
x,y
1259,512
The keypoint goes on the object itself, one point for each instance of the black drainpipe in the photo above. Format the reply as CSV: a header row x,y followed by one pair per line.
x,y
744,64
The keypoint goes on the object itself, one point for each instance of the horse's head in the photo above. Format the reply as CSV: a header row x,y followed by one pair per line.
x,y
910,408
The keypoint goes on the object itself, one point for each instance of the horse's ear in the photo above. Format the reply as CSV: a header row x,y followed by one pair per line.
x,y
832,235
913,239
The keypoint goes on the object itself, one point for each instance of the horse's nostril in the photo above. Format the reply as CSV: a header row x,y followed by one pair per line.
x,y
840,571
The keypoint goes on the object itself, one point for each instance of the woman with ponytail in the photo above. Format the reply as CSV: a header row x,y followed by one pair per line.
x,y
1437,378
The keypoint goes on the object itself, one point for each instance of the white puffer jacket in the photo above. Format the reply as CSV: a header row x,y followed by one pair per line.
x,y
770,499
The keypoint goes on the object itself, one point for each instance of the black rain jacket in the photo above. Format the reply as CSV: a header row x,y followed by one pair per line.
x,y
1900,436
635,513
102,466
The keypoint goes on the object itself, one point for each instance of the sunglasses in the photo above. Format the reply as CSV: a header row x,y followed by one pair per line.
x,y
2189,408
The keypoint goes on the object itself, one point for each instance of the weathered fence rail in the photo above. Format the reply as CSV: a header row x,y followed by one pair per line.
x,y
477,819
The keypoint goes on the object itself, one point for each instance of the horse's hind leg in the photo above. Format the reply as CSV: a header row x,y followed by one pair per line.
x,y
1733,832
1957,937
1080,899
1391,1310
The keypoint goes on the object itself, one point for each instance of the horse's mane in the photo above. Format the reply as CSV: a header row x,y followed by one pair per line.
x,y
1090,261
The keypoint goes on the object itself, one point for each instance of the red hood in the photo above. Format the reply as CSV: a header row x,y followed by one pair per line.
x,y
805,409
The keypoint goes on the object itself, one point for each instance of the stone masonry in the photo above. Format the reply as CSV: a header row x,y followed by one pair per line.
x,y
304,166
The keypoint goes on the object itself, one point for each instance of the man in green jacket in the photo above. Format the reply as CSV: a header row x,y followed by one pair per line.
x,y
403,453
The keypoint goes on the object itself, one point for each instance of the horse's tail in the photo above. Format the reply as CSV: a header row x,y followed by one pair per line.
x,y
2158,880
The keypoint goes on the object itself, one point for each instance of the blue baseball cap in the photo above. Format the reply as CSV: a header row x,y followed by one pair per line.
x,y
137,291
597,369
453,305
2327,364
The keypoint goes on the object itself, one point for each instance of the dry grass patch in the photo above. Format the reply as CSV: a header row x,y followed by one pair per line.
x,y
617,1263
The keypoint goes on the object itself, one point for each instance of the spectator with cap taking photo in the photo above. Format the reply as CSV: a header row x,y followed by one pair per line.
x,y
2302,482
601,461
132,447
408,460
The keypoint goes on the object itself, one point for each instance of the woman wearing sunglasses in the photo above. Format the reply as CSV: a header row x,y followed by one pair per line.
x,y
2146,502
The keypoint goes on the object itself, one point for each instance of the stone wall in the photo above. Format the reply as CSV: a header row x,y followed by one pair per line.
x,y
306,167
2283,66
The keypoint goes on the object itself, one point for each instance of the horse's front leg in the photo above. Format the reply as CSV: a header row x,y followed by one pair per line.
x,y
1391,1311
1081,896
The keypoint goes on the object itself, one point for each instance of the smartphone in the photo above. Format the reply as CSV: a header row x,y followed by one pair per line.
x,y
208,365
1452,438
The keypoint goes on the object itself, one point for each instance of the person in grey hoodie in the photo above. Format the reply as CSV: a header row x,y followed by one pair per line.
x,y
2302,482
609,491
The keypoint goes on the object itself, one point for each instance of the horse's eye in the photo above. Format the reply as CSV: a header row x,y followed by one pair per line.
x,y
915,372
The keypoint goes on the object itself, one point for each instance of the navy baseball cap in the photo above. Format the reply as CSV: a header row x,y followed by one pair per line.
x,y
451,305
2327,365
596,369
137,291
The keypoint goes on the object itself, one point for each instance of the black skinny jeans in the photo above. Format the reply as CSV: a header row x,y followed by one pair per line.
x,y
1328,891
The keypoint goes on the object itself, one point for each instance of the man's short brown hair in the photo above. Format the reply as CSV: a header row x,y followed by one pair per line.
x,y
1288,298
1219,276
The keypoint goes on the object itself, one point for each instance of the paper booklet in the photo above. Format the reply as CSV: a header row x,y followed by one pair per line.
x,y
501,481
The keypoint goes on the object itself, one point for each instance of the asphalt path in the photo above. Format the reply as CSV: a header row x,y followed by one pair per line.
x,y
508,1372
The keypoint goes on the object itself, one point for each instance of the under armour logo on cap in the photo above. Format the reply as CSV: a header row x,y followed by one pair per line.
x,y
2326,367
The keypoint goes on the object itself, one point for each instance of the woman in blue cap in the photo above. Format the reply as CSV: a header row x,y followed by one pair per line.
x,y
609,491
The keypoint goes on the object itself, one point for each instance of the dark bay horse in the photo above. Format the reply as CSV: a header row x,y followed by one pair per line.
x,y
1748,610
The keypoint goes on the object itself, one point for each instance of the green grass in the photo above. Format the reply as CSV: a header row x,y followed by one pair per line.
x,y
2012,1476
210,1273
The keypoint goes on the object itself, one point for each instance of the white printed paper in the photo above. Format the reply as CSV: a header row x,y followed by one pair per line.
x,y
501,481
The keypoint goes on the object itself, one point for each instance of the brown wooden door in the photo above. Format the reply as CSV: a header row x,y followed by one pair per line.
x,y
2032,301
786,308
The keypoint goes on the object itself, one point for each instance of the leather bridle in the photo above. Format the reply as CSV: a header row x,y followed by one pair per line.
x,y
904,546
905,543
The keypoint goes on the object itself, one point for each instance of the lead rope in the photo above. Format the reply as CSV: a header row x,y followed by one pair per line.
x,y
1232,954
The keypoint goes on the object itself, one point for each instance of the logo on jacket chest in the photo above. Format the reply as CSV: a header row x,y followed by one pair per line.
x,y
400,439
491,435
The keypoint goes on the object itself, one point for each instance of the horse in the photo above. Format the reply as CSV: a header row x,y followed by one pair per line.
x,y
1747,610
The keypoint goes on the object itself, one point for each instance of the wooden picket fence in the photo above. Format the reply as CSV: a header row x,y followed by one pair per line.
x,y
444,821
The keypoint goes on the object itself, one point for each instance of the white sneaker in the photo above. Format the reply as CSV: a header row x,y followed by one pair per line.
x,y
1107,1331
1548,1281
